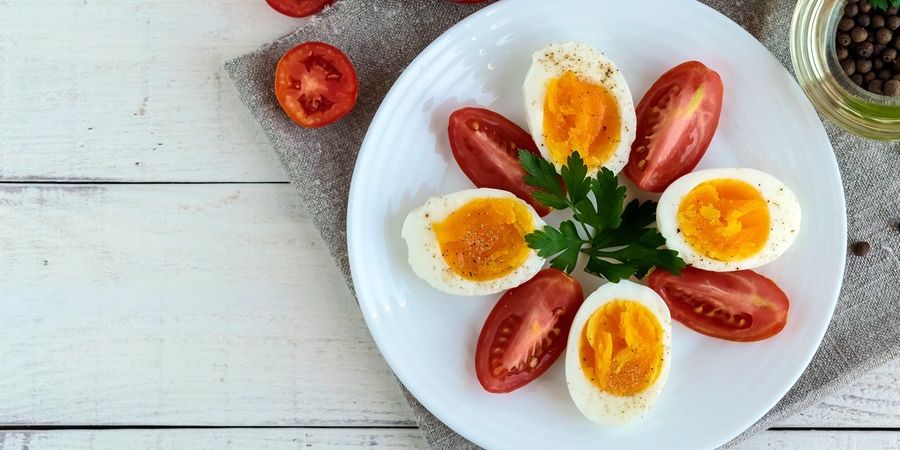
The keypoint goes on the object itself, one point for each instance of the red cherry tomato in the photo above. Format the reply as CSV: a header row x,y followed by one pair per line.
x,y
739,306
315,84
526,331
486,147
299,8
676,121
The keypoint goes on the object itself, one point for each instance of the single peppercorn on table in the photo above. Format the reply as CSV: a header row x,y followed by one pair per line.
x,y
159,274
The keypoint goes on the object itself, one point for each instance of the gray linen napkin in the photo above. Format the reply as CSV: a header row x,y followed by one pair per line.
x,y
383,36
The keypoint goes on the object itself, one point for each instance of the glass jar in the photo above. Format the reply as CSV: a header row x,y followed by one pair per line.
x,y
815,61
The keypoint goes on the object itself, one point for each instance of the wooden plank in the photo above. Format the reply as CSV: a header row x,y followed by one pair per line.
x,y
111,90
214,439
343,438
197,305
211,305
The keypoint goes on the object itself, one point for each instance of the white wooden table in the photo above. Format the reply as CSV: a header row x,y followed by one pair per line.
x,y
162,287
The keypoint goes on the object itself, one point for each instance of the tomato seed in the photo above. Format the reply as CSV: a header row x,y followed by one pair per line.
x,y
502,340
475,125
497,371
556,331
498,350
533,363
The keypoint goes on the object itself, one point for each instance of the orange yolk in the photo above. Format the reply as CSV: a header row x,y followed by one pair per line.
x,y
622,348
582,116
485,238
724,219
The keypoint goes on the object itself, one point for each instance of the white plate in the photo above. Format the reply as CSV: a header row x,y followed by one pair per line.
x,y
717,389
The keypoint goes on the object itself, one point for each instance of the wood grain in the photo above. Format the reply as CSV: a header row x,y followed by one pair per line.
x,y
336,438
112,90
211,305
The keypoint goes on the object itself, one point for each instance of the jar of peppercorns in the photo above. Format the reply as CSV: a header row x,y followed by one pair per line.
x,y
846,56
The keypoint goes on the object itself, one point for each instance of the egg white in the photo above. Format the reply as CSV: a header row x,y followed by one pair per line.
x,y
428,263
600,406
591,65
784,216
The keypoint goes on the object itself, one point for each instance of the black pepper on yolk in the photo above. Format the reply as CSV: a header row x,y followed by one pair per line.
x,y
621,349
582,116
485,238
724,219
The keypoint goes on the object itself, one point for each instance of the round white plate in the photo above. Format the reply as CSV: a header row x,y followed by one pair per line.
x,y
716,389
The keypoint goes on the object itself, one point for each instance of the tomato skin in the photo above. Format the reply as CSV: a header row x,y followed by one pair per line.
x,y
299,8
315,84
674,128
728,297
486,147
530,312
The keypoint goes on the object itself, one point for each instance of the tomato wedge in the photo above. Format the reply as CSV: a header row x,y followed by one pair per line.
x,y
676,121
486,147
299,8
315,84
526,331
741,306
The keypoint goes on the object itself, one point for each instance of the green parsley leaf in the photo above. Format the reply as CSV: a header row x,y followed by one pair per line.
x,y
610,197
573,176
617,238
542,175
562,245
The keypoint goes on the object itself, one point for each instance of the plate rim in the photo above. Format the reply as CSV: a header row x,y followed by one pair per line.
x,y
372,132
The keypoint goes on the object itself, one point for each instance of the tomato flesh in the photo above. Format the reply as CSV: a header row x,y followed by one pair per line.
x,y
676,121
299,8
741,306
486,147
315,84
526,331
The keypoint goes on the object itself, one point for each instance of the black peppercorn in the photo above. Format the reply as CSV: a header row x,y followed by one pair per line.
x,y
851,9
863,66
893,22
844,39
883,36
849,66
858,34
892,87
889,55
896,77
877,21
846,24
875,86
864,6
863,20
857,78
879,48
842,53
884,74
891,11
869,76
861,248
864,49
877,63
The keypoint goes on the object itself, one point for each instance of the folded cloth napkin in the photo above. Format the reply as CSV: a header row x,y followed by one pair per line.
x,y
381,37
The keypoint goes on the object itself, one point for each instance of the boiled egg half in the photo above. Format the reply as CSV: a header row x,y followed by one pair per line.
x,y
618,353
576,99
472,242
728,219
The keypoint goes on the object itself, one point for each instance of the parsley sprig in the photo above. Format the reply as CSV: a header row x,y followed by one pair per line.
x,y
883,4
615,237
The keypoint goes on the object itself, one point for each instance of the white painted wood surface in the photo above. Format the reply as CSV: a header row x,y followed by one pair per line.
x,y
212,305
334,439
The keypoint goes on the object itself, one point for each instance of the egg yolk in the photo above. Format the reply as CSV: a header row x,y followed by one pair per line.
x,y
485,238
582,116
724,219
622,348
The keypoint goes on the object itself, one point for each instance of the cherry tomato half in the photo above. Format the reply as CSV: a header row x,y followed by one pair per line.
x,y
315,84
299,8
676,121
739,306
486,147
526,331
